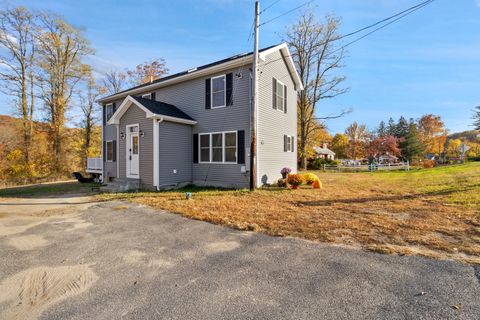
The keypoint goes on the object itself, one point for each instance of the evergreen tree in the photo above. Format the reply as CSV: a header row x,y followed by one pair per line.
x,y
402,128
392,127
382,130
411,145
476,118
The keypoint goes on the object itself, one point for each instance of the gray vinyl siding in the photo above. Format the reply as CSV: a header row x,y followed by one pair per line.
x,y
189,97
274,124
134,115
109,167
175,153
110,133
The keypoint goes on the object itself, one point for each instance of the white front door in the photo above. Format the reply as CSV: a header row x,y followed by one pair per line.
x,y
133,151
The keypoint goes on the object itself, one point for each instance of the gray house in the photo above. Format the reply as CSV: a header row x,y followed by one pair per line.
x,y
193,127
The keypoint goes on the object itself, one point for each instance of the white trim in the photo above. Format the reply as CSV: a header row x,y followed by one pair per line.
x,y
129,100
156,155
215,69
224,76
127,138
118,151
211,147
106,150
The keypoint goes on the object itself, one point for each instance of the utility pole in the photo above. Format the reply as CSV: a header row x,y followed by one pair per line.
x,y
253,112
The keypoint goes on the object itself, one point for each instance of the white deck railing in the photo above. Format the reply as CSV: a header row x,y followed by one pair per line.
x,y
94,165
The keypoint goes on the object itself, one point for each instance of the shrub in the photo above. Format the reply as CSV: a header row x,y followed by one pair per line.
x,y
318,163
282,183
310,178
429,164
295,179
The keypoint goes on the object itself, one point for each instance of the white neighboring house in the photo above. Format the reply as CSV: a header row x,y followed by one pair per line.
x,y
324,153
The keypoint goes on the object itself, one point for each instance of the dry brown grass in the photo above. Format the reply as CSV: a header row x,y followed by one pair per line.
x,y
433,212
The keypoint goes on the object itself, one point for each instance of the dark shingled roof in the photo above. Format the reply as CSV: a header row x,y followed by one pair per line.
x,y
238,56
162,108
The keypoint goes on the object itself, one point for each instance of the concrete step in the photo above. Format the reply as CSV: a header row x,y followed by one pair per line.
x,y
121,185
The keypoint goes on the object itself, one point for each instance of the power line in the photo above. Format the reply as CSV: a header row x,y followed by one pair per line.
x,y
384,20
268,7
285,13
399,16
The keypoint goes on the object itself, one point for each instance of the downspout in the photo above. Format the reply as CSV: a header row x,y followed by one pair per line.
x,y
156,152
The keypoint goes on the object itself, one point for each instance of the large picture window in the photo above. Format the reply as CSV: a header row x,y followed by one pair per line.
x,y
218,92
218,147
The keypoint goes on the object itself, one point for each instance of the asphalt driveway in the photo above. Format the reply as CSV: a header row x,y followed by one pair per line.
x,y
112,260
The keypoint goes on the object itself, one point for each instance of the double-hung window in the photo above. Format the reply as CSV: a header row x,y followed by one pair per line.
x,y
288,143
109,151
280,96
218,147
109,111
218,92
205,148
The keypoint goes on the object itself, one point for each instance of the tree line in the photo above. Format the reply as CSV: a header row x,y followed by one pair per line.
x,y
411,140
43,70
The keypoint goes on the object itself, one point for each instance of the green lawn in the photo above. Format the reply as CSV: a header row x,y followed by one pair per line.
x,y
46,189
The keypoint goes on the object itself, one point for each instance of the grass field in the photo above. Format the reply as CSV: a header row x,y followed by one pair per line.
x,y
432,212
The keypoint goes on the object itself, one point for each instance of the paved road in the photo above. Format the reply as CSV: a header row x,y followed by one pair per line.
x,y
117,260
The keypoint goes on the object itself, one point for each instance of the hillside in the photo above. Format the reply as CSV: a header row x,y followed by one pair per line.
x,y
467,136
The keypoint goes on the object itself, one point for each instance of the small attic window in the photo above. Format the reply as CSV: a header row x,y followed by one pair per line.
x,y
147,96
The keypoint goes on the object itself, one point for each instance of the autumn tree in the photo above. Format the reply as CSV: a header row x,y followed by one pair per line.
x,y
17,27
476,118
318,58
114,81
453,147
340,145
90,110
61,48
358,136
383,145
433,134
147,72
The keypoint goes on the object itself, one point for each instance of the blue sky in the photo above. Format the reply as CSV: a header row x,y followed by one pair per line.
x,y
428,62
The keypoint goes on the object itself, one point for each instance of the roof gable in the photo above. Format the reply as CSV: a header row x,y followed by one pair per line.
x,y
153,110
205,70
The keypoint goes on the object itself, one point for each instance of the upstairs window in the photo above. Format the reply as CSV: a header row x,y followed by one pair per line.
x,y
109,111
280,96
147,96
218,92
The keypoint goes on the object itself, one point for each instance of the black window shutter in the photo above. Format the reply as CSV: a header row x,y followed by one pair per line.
x,y
274,93
207,94
104,151
114,150
293,144
241,146
153,96
285,137
229,88
195,148
285,94
104,114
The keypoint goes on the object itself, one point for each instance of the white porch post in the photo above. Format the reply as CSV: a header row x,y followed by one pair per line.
x,y
156,162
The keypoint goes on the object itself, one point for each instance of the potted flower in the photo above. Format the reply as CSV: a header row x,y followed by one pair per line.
x,y
285,171
295,180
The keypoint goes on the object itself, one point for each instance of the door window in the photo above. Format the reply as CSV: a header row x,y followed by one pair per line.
x,y
135,145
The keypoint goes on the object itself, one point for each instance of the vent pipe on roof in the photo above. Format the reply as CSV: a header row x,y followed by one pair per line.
x,y
151,78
